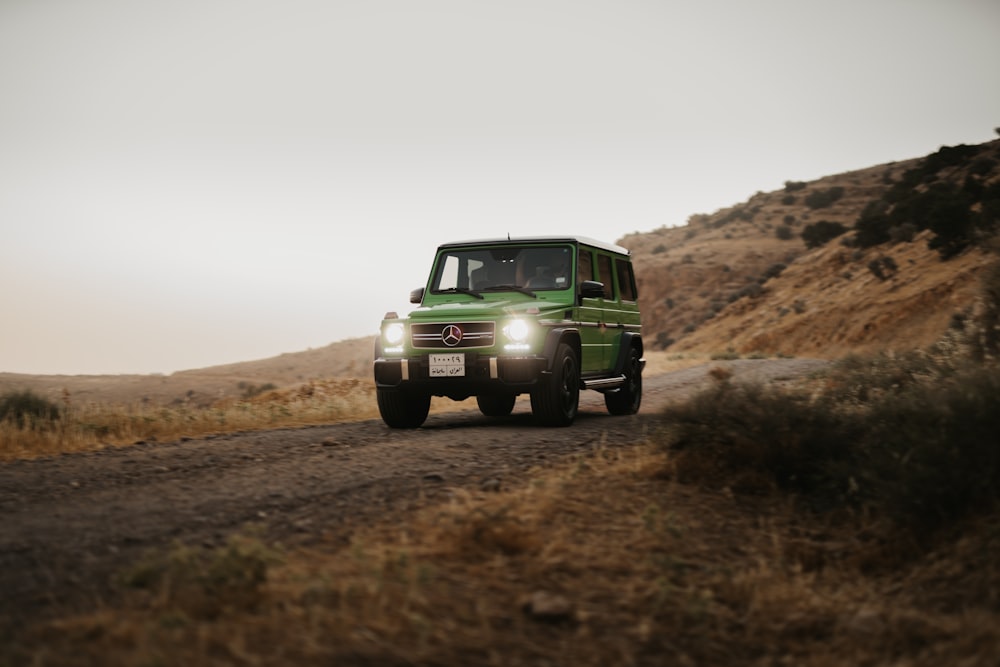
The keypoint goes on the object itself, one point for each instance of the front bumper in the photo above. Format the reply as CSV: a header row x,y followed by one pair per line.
x,y
484,374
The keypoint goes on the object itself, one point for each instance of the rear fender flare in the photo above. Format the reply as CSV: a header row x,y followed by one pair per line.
x,y
629,340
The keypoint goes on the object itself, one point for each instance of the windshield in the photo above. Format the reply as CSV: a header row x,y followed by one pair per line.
x,y
504,268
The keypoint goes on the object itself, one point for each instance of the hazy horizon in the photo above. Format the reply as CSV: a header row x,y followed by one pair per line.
x,y
201,183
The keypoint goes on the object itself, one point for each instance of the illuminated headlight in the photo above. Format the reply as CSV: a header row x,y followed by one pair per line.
x,y
517,331
393,333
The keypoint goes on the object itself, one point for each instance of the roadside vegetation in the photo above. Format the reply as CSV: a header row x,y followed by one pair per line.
x,y
910,440
32,425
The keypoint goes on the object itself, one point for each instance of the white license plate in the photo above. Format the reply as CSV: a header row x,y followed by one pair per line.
x,y
447,365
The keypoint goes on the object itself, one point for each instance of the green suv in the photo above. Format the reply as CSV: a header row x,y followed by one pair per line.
x,y
498,318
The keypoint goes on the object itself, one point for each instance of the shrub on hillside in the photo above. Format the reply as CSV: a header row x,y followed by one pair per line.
x,y
751,290
819,233
982,166
872,226
824,198
911,439
904,233
858,381
946,211
773,271
883,268
928,170
664,340
948,156
27,409
762,436
931,453
960,207
784,232
983,332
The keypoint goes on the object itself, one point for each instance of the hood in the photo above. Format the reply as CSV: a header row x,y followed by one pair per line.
x,y
474,309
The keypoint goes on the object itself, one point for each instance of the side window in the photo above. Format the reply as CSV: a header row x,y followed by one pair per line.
x,y
584,267
626,280
604,271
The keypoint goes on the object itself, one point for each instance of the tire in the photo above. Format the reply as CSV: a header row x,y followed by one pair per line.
x,y
626,400
400,409
496,405
556,399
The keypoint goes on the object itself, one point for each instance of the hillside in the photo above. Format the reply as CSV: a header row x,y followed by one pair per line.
x,y
742,279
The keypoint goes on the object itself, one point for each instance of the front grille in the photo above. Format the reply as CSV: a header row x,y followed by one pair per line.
x,y
472,334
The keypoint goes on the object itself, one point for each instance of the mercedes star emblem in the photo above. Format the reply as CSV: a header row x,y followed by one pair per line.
x,y
451,335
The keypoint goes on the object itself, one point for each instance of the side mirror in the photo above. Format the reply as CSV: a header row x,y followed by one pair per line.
x,y
417,295
591,289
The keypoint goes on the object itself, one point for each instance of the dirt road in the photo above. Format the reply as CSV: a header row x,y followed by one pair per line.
x,y
71,523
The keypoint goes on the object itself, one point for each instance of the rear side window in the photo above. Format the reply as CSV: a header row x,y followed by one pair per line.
x,y
626,280
604,271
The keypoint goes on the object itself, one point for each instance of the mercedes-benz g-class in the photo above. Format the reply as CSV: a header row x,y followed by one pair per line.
x,y
498,318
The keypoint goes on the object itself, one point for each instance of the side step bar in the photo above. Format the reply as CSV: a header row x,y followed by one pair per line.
x,y
605,383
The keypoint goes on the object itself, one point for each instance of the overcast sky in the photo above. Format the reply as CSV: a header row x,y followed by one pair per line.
x,y
190,183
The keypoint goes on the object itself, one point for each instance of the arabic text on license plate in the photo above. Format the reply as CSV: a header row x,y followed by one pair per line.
x,y
447,365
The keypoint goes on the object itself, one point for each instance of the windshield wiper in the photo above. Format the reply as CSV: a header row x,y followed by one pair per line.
x,y
460,290
510,288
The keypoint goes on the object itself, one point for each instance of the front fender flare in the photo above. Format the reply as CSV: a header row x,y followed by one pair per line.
x,y
558,335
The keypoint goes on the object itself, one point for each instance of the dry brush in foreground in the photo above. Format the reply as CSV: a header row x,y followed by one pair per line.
x,y
607,560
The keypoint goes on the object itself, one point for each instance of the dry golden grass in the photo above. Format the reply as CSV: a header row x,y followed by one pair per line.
x,y
96,426
604,561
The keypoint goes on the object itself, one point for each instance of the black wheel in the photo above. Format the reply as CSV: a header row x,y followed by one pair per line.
x,y
555,400
400,409
496,406
626,400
